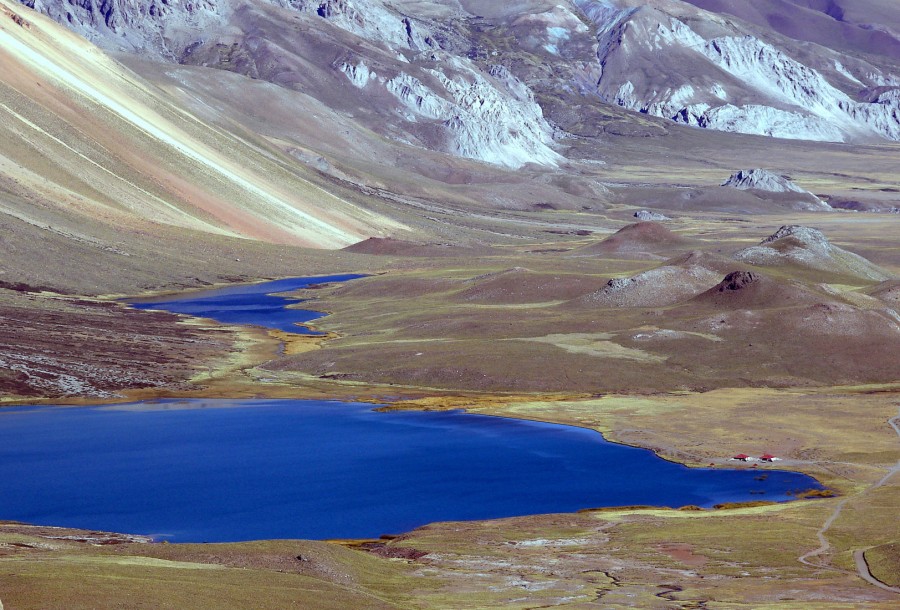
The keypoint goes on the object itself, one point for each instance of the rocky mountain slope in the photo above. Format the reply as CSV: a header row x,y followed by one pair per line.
x,y
466,77
672,60
867,26
325,123
411,70
84,134
809,248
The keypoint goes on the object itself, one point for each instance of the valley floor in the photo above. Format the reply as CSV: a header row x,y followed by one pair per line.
x,y
522,293
732,557
415,338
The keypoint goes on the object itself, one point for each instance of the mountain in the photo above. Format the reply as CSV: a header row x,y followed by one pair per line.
x,y
674,60
407,69
466,77
165,133
87,137
868,26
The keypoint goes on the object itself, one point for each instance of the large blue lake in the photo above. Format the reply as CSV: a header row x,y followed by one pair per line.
x,y
229,470
222,470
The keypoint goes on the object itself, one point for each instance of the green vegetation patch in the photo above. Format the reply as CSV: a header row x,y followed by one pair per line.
x,y
884,563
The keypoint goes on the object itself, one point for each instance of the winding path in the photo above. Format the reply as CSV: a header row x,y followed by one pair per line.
x,y
862,567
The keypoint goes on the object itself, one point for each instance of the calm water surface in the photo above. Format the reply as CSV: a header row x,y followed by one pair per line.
x,y
256,304
228,470
221,470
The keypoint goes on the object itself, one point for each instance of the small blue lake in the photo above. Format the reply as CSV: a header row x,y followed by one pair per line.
x,y
256,304
230,470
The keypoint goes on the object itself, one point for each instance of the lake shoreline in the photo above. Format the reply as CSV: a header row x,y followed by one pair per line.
x,y
232,383
262,344
503,467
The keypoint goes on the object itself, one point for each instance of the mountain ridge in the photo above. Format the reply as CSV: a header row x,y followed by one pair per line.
x,y
723,76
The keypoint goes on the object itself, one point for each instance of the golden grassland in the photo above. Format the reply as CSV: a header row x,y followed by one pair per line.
x,y
491,334
641,557
884,562
401,341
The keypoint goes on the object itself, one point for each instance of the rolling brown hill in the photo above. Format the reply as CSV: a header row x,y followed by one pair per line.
x,y
639,240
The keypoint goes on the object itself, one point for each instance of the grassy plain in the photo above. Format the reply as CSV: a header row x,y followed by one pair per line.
x,y
496,305
512,335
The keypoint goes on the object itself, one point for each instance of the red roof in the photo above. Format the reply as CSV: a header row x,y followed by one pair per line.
x,y
740,456
767,456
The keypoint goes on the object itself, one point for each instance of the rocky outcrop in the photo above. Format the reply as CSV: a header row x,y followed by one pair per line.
x,y
764,181
359,74
750,290
737,280
811,238
646,215
658,287
809,248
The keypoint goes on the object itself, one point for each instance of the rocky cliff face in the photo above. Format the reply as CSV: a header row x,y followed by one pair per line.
x,y
439,98
694,67
431,66
490,117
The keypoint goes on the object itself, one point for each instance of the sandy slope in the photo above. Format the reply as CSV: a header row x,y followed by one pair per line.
x,y
86,133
